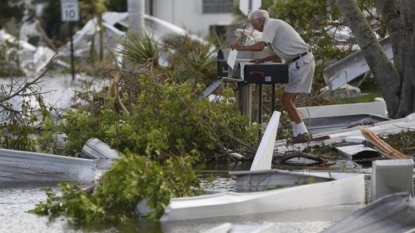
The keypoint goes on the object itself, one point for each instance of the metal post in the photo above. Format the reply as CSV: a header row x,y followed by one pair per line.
x,y
260,111
72,57
273,99
249,102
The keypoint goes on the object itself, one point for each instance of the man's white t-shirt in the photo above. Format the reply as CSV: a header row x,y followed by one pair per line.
x,y
285,41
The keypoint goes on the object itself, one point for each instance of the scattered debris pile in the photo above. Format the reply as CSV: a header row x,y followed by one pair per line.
x,y
384,148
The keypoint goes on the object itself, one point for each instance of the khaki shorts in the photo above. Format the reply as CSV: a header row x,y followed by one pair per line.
x,y
300,75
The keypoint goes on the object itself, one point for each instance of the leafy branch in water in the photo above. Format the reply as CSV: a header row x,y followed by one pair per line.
x,y
131,178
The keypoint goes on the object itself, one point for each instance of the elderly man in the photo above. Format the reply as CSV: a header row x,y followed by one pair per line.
x,y
288,45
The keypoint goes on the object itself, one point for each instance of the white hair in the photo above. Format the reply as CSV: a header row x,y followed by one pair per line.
x,y
258,14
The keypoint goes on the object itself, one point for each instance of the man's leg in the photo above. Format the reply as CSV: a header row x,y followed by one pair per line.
x,y
288,101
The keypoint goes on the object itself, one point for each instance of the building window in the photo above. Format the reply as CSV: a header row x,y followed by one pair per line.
x,y
218,6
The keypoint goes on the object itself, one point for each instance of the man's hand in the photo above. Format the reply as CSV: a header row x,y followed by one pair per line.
x,y
256,61
236,45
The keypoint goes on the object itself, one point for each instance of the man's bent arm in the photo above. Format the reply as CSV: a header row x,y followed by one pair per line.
x,y
259,46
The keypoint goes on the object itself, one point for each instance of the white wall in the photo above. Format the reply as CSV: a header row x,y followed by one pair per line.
x,y
188,15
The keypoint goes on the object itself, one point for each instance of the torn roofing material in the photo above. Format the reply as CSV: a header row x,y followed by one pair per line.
x,y
351,67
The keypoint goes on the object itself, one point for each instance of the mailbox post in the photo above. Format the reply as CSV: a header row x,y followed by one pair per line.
x,y
266,73
246,73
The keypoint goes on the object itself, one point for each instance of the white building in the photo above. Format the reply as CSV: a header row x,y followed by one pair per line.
x,y
195,16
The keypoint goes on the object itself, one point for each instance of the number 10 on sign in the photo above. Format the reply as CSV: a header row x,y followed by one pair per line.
x,y
69,10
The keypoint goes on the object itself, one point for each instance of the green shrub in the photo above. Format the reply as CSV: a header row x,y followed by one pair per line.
x,y
131,178
164,120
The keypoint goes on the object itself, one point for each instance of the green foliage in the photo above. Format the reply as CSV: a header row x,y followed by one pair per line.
x,y
98,5
140,49
169,125
323,150
131,178
17,136
191,60
20,122
402,141
302,14
9,60
165,120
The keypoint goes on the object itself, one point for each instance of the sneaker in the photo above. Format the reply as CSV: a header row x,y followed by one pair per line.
x,y
302,137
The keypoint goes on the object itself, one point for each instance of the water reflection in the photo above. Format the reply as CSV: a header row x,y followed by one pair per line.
x,y
16,200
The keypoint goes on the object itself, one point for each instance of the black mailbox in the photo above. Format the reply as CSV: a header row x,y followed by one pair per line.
x,y
264,73
222,64
224,70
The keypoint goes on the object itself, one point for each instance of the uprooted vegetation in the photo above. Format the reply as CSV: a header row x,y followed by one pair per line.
x,y
154,117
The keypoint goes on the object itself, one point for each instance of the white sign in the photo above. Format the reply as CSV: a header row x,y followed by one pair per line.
x,y
69,10
232,58
247,6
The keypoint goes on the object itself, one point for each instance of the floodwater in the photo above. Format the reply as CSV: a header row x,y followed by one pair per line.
x,y
17,199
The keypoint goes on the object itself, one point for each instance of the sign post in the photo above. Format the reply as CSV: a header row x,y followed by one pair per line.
x,y
70,13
